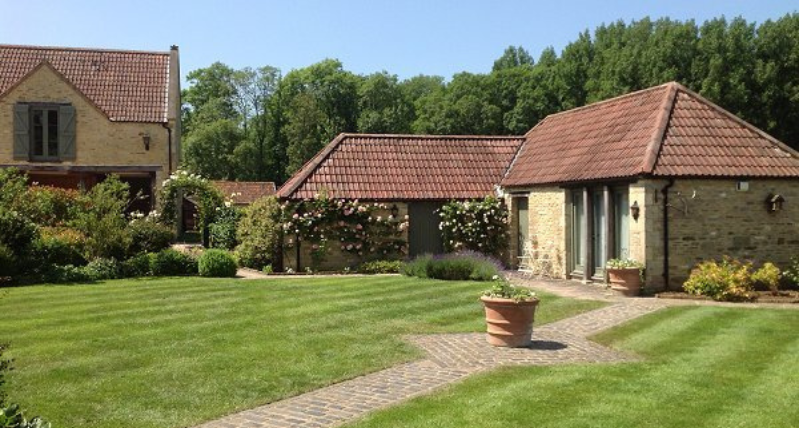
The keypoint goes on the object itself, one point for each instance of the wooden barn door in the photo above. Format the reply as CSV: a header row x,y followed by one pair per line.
x,y
424,236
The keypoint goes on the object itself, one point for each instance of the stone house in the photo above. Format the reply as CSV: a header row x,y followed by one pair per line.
x,y
411,175
69,117
662,176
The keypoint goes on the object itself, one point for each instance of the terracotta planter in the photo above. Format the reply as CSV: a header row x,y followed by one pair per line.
x,y
627,280
509,323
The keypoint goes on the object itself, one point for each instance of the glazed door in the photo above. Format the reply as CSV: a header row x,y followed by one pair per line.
x,y
578,232
599,232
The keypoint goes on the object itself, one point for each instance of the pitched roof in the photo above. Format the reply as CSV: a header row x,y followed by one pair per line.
x,y
665,130
404,167
245,192
128,86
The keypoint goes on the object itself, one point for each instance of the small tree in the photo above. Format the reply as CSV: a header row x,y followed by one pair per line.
x,y
259,233
478,225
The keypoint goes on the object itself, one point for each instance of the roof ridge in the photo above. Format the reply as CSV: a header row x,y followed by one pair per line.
x,y
661,125
721,110
433,136
610,100
81,49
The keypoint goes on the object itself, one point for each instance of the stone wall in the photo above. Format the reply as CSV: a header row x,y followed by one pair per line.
x,y
336,259
98,140
710,219
547,226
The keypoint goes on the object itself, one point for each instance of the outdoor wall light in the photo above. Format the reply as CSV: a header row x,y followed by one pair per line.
x,y
774,202
394,210
635,210
145,137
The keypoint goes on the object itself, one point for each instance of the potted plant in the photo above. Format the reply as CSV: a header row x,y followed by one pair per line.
x,y
625,276
509,312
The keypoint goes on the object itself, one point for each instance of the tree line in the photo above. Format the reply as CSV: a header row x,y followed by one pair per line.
x,y
258,124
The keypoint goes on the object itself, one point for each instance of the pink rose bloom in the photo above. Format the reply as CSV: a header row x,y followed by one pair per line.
x,y
359,227
295,216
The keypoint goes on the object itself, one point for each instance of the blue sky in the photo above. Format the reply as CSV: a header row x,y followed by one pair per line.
x,y
403,37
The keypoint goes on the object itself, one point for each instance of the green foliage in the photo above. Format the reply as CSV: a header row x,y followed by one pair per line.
x,y
259,234
768,276
51,206
13,417
417,267
60,274
149,236
480,225
502,289
380,266
792,273
210,149
171,262
207,197
16,231
13,189
729,280
223,230
5,366
268,270
363,229
102,269
138,266
217,263
8,263
466,265
103,220
623,264
59,246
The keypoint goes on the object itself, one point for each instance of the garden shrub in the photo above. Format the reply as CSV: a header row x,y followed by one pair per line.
x,y
466,265
59,246
55,274
103,221
791,275
729,280
768,276
8,262
259,234
171,262
16,231
478,225
380,266
13,189
217,263
102,269
149,236
417,267
451,269
138,266
223,230
51,206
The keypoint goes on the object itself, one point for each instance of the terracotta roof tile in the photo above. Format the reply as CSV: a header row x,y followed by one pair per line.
x,y
245,192
404,167
666,130
127,86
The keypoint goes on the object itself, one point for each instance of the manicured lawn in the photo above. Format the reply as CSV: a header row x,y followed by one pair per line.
x,y
706,367
176,352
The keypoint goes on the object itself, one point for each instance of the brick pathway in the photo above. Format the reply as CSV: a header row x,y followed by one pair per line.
x,y
451,357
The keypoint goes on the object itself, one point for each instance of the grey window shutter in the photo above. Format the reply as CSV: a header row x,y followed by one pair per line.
x,y
66,131
21,132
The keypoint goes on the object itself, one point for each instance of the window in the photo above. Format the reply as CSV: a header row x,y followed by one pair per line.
x,y
44,132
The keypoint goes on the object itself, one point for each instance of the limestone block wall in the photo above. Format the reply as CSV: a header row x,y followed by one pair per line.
x,y
710,219
547,209
98,140
336,259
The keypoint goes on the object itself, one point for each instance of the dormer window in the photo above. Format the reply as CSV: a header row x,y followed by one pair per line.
x,y
44,132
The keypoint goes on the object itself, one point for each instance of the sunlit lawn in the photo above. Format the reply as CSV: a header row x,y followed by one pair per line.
x,y
705,367
177,352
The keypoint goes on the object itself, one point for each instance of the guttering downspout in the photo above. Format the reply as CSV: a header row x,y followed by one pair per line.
x,y
665,191
168,147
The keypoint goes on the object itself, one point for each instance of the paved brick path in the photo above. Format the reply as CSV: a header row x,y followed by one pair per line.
x,y
451,357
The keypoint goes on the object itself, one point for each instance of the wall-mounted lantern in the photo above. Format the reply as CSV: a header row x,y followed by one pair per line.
x,y
635,210
145,137
774,202
394,210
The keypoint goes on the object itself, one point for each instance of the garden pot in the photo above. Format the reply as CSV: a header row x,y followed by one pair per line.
x,y
627,280
509,323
